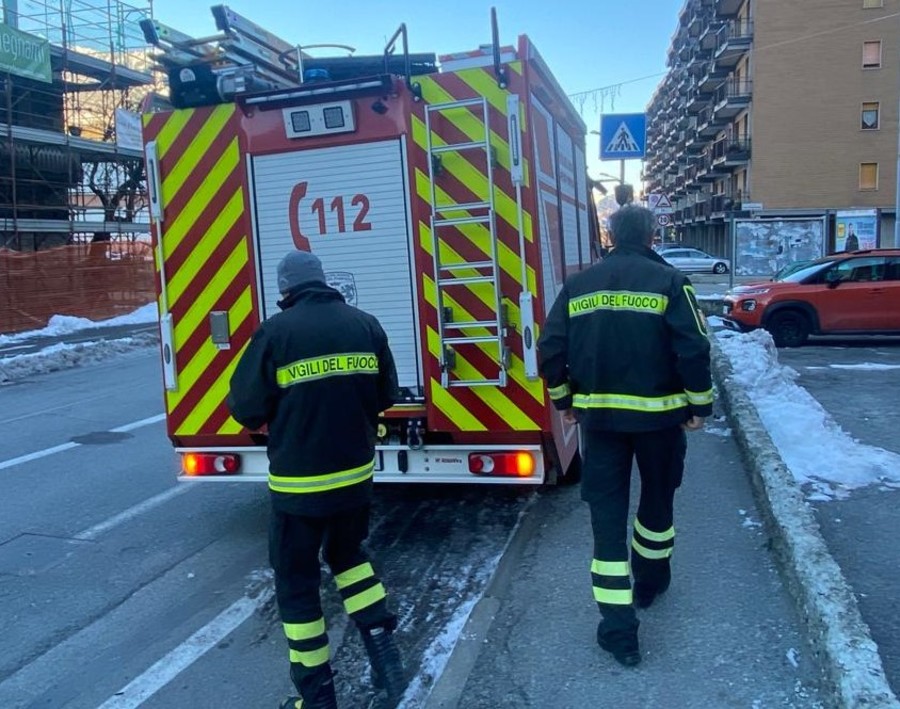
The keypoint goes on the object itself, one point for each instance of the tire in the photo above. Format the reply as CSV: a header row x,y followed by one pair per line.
x,y
720,268
789,328
573,474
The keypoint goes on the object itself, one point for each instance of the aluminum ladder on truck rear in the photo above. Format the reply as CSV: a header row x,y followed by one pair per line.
x,y
446,275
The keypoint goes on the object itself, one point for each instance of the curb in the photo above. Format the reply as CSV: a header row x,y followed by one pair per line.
x,y
847,654
449,687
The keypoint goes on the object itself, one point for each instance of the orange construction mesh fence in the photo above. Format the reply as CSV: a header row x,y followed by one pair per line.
x,y
94,281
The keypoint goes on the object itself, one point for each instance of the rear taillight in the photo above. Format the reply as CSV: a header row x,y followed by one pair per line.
x,y
518,464
210,463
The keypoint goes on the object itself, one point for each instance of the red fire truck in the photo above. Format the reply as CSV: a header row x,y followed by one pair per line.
x,y
447,196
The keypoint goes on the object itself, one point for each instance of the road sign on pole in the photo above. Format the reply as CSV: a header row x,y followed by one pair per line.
x,y
664,220
623,136
660,203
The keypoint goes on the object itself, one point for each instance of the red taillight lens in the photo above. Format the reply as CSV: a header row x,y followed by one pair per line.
x,y
210,464
519,464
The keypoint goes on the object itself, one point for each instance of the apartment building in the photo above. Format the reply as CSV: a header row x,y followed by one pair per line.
x,y
791,104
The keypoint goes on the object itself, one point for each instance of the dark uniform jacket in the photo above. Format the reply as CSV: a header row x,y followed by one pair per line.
x,y
318,374
627,347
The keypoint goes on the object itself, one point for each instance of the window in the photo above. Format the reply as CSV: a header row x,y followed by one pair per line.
x,y
860,270
869,4
872,54
870,111
893,269
868,176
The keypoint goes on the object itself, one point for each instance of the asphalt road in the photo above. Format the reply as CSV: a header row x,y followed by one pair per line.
x,y
861,529
113,576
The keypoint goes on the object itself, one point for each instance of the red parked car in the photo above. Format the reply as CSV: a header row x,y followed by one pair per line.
x,y
854,293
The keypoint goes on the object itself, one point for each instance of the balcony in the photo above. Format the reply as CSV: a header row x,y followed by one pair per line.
x,y
712,78
727,202
696,101
737,152
699,58
731,98
709,37
734,40
728,8
702,209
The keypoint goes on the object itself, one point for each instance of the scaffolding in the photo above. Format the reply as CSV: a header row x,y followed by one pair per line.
x,y
70,172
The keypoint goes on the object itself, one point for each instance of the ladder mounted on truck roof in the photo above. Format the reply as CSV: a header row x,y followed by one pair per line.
x,y
246,58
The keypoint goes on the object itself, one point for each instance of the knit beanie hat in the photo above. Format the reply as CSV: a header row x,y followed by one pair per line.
x,y
299,268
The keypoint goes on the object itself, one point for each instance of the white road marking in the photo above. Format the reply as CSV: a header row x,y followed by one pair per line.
x,y
92,533
27,458
139,424
39,454
169,667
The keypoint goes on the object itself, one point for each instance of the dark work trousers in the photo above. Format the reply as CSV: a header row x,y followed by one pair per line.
x,y
294,545
606,483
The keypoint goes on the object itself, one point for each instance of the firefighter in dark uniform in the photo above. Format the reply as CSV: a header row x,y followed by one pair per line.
x,y
318,374
625,354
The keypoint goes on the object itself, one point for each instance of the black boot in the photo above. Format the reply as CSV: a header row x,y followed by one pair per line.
x,y
316,690
623,644
645,592
384,656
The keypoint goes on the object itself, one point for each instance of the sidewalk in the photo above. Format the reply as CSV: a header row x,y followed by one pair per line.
x,y
725,634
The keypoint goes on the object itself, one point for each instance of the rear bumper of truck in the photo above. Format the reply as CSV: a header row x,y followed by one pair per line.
x,y
447,464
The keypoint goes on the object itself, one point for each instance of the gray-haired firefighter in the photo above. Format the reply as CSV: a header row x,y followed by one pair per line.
x,y
625,353
318,374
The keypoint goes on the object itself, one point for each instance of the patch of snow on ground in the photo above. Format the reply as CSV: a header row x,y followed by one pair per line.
x,y
436,657
715,321
792,656
710,296
866,366
65,356
66,324
819,453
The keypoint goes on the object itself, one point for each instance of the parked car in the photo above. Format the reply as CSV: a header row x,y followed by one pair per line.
x,y
843,294
786,271
695,261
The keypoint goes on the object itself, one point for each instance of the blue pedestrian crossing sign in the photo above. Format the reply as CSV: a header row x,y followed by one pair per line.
x,y
623,136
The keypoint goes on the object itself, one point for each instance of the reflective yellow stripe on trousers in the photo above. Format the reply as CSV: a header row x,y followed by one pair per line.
x,y
321,483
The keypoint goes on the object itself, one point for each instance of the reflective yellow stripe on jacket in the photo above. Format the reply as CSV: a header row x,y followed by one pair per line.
x,y
321,483
307,370
626,402
560,392
653,303
699,398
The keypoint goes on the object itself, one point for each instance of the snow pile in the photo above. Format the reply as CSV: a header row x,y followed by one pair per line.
x,y
66,324
65,356
817,451
710,296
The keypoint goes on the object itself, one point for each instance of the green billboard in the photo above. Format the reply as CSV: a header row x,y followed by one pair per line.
x,y
24,54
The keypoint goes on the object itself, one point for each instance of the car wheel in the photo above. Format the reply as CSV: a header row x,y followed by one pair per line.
x,y
720,268
789,328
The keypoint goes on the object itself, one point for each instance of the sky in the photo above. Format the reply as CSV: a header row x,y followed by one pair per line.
x,y
586,44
